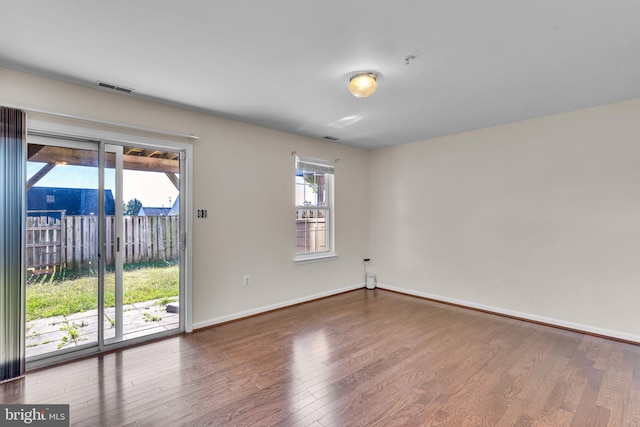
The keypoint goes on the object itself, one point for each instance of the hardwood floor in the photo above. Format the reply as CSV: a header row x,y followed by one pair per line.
x,y
364,358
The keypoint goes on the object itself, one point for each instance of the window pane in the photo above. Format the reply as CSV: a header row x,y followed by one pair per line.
x,y
310,188
313,197
311,231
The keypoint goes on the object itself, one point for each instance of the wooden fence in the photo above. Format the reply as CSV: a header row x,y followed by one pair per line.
x,y
72,241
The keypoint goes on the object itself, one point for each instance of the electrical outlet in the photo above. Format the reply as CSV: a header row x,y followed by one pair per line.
x,y
245,280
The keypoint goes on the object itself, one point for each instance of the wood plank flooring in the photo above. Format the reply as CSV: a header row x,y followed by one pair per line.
x,y
363,358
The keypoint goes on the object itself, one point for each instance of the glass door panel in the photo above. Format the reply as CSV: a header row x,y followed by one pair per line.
x,y
61,246
142,282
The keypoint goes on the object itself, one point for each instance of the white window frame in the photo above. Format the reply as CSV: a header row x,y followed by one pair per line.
x,y
328,168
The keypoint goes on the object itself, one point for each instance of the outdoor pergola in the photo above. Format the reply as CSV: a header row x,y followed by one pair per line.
x,y
134,158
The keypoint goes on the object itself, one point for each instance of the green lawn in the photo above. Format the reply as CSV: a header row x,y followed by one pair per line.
x,y
67,293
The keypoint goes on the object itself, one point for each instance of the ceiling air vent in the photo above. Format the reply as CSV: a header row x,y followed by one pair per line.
x,y
114,87
330,138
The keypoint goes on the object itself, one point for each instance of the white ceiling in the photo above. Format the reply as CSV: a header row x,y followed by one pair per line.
x,y
285,64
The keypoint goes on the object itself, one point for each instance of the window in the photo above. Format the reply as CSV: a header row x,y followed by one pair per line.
x,y
314,209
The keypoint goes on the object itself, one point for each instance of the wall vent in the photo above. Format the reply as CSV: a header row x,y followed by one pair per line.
x,y
114,87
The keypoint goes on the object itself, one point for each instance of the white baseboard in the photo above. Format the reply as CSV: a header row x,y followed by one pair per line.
x,y
527,316
266,308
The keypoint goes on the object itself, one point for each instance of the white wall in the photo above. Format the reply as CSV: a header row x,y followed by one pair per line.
x,y
539,218
244,176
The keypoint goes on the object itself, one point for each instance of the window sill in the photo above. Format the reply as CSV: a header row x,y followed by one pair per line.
x,y
307,259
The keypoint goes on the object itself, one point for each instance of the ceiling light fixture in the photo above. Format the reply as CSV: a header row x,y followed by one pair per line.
x,y
362,85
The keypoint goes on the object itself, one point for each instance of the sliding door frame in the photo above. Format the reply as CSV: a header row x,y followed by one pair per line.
x,y
103,138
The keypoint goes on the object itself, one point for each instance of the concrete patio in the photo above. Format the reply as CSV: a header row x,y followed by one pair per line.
x,y
60,332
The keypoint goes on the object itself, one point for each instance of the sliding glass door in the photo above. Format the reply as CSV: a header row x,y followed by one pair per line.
x,y
103,251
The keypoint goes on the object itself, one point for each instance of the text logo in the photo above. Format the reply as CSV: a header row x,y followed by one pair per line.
x,y
34,415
